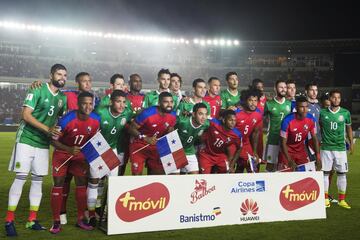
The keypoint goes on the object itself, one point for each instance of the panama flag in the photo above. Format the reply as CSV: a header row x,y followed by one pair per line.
x,y
171,152
252,163
99,155
307,167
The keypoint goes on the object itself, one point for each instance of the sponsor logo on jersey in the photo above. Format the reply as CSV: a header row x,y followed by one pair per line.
x,y
184,131
105,122
299,194
201,190
46,100
249,209
142,202
274,109
201,217
249,186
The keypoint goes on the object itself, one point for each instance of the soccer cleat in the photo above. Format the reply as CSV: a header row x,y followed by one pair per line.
x,y
55,228
84,225
327,203
34,225
63,219
344,204
10,229
93,222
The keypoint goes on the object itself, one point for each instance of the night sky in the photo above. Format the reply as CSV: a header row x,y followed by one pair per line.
x,y
251,20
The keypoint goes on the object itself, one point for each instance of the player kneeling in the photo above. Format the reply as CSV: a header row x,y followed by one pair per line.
x,y
77,127
222,145
295,129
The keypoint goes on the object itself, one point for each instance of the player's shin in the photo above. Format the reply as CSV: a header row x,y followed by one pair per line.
x,y
35,196
14,195
341,185
92,194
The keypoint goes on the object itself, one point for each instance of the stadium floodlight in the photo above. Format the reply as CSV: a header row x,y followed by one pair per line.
x,y
215,42
222,42
202,42
187,42
236,42
229,43
182,40
209,42
196,41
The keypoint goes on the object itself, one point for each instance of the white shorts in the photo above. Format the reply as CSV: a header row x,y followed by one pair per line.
x,y
271,153
336,160
193,164
113,172
26,158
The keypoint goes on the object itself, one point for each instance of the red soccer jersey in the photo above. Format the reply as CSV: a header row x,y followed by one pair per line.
x,y
215,105
246,122
261,104
76,132
136,101
152,123
71,97
218,138
296,131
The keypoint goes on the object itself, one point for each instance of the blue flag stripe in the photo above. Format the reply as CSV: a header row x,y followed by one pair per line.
x,y
163,147
90,152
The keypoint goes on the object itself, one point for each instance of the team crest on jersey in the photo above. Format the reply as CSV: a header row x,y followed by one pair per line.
x,y
154,125
166,124
228,140
123,121
216,132
200,132
89,129
218,102
254,121
262,104
341,118
242,121
306,127
60,103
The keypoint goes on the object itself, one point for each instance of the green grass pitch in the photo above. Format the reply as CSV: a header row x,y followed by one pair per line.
x,y
340,223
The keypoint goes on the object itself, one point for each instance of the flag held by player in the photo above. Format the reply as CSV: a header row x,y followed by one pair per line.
x,y
99,155
252,163
171,152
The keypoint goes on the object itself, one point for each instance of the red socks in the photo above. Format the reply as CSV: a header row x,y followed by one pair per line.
x,y
81,201
56,202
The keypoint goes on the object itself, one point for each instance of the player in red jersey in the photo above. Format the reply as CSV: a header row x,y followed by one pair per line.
x,y
135,97
294,130
213,98
223,145
77,127
258,84
148,126
248,119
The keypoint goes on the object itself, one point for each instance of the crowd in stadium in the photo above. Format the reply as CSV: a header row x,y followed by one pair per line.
x,y
220,132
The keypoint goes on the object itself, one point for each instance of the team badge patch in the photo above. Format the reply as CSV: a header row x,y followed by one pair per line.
x,y
88,129
341,118
123,121
60,103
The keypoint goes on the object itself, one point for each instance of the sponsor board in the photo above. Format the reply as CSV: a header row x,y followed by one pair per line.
x,y
155,203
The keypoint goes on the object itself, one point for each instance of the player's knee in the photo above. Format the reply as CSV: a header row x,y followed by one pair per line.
x,y
59,181
80,181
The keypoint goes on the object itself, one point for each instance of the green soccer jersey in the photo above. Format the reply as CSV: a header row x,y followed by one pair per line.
x,y
188,107
189,134
333,128
152,99
113,127
276,111
47,107
228,99
105,103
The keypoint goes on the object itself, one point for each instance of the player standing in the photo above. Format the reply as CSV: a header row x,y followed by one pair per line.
x,y
275,110
190,130
335,123
151,124
213,98
41,109
223,145
230,96
295,129
175,86
77,127
291,93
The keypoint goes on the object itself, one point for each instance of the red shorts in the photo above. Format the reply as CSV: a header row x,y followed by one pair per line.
x,y
207,161
148,155
298,157
76,166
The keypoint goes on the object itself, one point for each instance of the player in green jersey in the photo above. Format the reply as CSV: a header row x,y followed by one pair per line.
x,y
117,82
275,110
112,126
41,109
335,125
175,86
190,130
152,98
187,104
230,96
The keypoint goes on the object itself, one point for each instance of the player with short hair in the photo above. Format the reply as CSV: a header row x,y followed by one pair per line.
x,y
190,130
291,93
223,145
152,98
112,126
248,119
175,86
135,96
41,109
295,129
212,96
186,106
151,124
275,110
335,123
230,97
77,127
